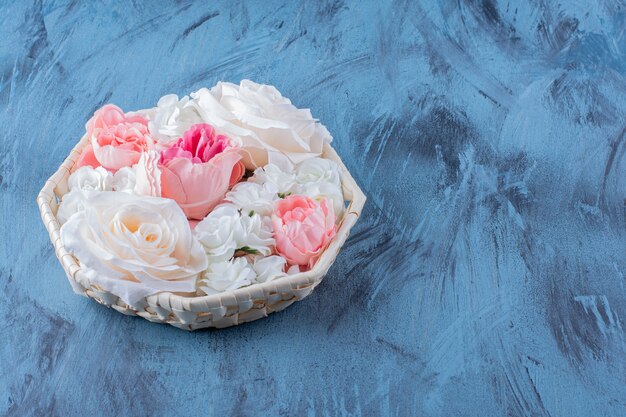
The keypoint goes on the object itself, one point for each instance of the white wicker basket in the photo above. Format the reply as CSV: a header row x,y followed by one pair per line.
x,y
219,310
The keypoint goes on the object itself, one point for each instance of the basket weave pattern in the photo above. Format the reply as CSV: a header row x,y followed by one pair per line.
x,y
218,310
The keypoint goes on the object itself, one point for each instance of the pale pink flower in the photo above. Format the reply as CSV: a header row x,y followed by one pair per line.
x,y
117,139
303,228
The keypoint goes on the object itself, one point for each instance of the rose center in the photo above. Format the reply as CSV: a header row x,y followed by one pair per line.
x,y
131,223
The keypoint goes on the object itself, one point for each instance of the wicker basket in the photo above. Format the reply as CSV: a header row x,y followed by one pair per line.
x,y
218,310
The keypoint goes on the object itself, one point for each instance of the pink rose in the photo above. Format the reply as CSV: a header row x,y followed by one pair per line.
x,y
117,139
86,158
302,228
198,169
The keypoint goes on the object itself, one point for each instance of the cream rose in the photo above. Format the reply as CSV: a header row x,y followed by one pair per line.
x,y
138,246
267,124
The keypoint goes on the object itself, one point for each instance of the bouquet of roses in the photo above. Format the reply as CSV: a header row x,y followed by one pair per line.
x,y
200,195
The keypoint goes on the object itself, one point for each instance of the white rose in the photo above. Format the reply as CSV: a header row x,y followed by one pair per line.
x,y
253,197
124,180
330,191
88,178
263,121
226,229
254,234
318,170
171,118
321,178
226,276
216,233
72,203
283,182
269,268
137,246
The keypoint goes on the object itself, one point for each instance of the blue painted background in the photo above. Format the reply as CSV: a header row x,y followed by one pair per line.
x,y
485,278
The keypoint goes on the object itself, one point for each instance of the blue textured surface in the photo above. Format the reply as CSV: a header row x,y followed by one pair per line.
x,y
485,278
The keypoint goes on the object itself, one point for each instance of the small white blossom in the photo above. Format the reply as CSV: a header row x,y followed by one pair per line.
x,y
318,170
90,179
253,197
71,203
272,175
216,233
124,180
254,232
319,190
321,178
171,118
226,276
227,229
269,268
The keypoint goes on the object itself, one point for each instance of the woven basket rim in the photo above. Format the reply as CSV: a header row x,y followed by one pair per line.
x,y
56,185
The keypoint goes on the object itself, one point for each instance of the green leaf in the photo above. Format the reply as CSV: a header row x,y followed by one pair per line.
x,y
248,250
251,213
283,195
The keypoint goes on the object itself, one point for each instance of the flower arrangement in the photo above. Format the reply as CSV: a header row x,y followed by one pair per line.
x,y
201,195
